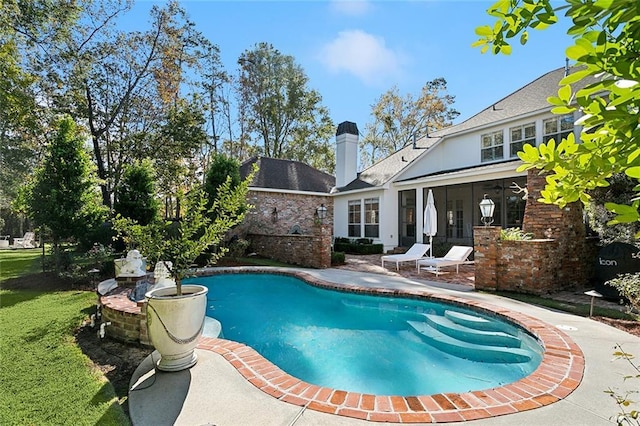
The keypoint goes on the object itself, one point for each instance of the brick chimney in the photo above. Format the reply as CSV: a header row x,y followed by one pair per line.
x,y
346,153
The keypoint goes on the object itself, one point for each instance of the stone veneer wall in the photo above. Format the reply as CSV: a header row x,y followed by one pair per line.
x,y
560,256
305,250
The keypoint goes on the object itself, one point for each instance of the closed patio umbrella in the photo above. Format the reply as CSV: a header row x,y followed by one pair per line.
x,y
430,227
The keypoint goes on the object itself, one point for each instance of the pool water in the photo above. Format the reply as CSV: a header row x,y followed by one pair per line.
x,y
362,343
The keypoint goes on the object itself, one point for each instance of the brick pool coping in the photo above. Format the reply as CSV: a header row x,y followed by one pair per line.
x,y
559,373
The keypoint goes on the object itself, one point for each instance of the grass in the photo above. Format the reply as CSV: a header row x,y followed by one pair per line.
x,y
14,263
258,261
572,308
45,378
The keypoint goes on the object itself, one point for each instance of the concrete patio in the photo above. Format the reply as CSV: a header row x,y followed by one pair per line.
x,y
214,392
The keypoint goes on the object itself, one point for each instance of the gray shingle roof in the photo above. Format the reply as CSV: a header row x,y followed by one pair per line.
x,y
289,175
528,99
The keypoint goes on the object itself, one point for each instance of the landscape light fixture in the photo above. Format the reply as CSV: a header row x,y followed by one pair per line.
x,y
487,206
321,212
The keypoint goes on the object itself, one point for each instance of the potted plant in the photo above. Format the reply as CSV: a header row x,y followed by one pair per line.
x,y
176,315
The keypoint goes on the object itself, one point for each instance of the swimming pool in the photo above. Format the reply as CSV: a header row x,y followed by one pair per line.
x,y
369,344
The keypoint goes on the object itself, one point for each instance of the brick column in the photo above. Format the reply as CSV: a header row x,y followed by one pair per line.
x,y
486,253
564,225
322,242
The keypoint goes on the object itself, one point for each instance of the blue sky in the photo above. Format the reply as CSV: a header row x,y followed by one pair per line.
x,y
353,51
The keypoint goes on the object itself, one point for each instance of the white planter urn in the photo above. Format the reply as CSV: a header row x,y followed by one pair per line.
x,y
175,324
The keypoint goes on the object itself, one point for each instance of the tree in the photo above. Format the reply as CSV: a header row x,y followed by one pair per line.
x,y
221,168
18,122
136,198
196,232
63,196
398,119
25,30
284,117
606,48
174,148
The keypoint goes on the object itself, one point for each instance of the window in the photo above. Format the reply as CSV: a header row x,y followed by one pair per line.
x,y
521,135
371,218
354,218
557,128
491,146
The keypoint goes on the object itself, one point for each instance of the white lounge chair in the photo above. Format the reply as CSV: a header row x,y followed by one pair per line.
x,y
25,242
415,253
457,256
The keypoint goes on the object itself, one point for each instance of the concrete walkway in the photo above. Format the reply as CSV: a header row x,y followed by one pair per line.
x,y
213,392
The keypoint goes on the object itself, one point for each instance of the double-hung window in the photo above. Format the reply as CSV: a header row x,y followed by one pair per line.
x,y
520,136
371,218
354,218
557,128
492,146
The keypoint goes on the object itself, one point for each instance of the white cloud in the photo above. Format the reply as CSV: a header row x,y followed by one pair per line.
x,y
351,7
363,55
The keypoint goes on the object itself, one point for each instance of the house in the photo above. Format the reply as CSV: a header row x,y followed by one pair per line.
x,y
460,164
284,224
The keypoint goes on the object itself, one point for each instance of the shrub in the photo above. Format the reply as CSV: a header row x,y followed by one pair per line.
x,y
358,246
514,234
237,247
135,198
628,285
337,258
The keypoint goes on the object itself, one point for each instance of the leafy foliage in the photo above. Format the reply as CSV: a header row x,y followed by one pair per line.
x,y
620,190
194,233
514,234
627,416
399,118
605,50
285,118
63,195
221,168
628,285
135,197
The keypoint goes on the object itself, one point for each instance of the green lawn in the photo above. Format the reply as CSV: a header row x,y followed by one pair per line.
x,y
45,379
14,263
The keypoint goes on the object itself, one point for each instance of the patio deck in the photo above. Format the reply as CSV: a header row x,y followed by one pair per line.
x,y
217,391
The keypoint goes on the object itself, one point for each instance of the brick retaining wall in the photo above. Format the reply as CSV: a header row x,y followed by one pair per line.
x,y
128,319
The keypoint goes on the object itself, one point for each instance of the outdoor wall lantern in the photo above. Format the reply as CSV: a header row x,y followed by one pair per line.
x,y
321,212
487,206
274,214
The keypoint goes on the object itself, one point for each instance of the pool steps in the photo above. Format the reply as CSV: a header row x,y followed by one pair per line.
x,y
475,322
445,333
472,335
